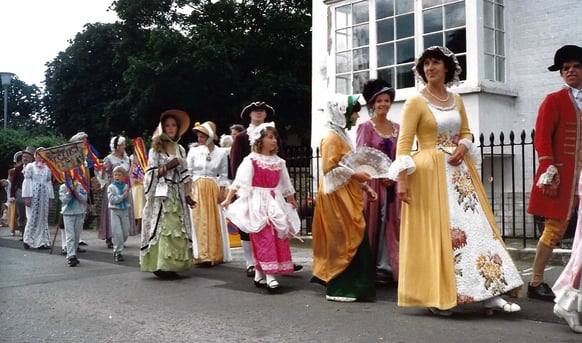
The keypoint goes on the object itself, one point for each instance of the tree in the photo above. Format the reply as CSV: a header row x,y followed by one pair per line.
x,y
82,81
209,58
25,108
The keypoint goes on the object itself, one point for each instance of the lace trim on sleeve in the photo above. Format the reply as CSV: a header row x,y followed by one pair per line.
x,y
473,151
336,178
402,162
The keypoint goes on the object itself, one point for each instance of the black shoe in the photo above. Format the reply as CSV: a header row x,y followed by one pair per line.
x,y
64,252
109,243
251,271
166,275
82,243
118,258
43,247
26,246
81,250
541,292
297,267
73,261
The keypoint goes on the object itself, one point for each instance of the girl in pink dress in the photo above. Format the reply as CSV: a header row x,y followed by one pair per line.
x,y
266,207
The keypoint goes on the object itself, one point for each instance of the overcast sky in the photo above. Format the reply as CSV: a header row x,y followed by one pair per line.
x,y
33,32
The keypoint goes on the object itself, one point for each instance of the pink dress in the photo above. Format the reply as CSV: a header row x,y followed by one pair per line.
x,y
262,183
568,288
382,215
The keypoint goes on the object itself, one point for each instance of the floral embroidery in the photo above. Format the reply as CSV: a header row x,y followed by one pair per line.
x,y
463,184
459,238
490,268
465,299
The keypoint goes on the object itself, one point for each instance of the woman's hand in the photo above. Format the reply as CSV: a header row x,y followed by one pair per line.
x,y
225,204
402,190
361,177
387,183
190,201
458,155
372,195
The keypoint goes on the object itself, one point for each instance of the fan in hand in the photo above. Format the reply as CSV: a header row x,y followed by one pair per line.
x,y
367,160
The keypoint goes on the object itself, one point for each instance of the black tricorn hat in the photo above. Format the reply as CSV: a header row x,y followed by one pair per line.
x,y
564,54
257,105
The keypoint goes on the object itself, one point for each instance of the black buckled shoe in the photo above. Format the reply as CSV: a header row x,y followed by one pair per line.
x,y
541,292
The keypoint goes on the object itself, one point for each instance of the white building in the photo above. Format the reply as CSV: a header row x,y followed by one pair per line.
x,y
504,47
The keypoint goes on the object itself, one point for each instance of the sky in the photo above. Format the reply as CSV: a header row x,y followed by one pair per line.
x,y
33,32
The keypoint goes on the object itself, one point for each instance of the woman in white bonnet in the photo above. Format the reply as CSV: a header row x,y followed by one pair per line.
x,y
117,157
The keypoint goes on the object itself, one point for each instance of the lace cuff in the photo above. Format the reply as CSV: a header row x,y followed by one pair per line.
x,y
549,176
336,178
402,162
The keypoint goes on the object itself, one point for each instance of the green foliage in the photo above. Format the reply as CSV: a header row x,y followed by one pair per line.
x,y
25,108
14,140
208,58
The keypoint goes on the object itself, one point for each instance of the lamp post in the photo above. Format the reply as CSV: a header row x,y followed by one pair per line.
x,y
6,78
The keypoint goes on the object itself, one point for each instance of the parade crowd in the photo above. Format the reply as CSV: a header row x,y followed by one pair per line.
x,y
402,206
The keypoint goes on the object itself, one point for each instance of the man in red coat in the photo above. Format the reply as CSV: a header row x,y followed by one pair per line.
x,y
558,144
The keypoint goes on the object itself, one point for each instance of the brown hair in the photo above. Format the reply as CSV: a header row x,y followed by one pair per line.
x,y
258,144
437,54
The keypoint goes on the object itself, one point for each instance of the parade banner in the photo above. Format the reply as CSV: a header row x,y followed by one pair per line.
x,y
64,157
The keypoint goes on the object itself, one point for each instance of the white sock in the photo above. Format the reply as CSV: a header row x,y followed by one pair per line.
x,y
259,275
248,250
270,277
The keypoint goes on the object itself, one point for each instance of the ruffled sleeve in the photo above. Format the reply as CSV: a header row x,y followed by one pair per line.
x,y
411,115
285,186
244,177
27,183
151,175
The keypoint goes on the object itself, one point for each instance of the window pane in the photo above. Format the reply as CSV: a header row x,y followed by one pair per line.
x,y
456,40
404,76
433,19
342,84
487,14
387,75
499,18
404,6
431,3
455,15
385,55
343,39
361,35
405,51
359,80
361,59
488,67
343,62
500,68
463,64
433,39
488,41
499,46
385,30
343,17
405,26
384,8
360,11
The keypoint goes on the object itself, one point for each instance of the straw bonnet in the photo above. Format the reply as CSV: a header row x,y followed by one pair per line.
x,y
208,128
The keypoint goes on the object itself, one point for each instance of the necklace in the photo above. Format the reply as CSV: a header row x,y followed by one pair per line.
x,y
434,96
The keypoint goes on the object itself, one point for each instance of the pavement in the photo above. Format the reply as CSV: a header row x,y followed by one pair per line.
x,y
301,251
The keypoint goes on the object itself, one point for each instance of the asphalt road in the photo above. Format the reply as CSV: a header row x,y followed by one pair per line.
x,y
44,300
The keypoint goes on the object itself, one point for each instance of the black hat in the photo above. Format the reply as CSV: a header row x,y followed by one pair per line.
x,y
564,54
257,105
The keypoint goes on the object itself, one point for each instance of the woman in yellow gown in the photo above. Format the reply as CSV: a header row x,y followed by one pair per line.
x,y
341,250
451,252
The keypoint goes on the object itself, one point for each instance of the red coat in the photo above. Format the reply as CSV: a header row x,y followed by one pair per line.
x,y
556,142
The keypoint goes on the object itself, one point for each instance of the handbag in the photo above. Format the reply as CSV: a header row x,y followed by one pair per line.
x,y
161,190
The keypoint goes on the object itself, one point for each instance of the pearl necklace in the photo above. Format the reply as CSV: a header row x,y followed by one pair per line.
x,y
434,96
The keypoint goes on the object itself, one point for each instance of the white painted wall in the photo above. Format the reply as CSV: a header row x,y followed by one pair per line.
x,y
534,31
